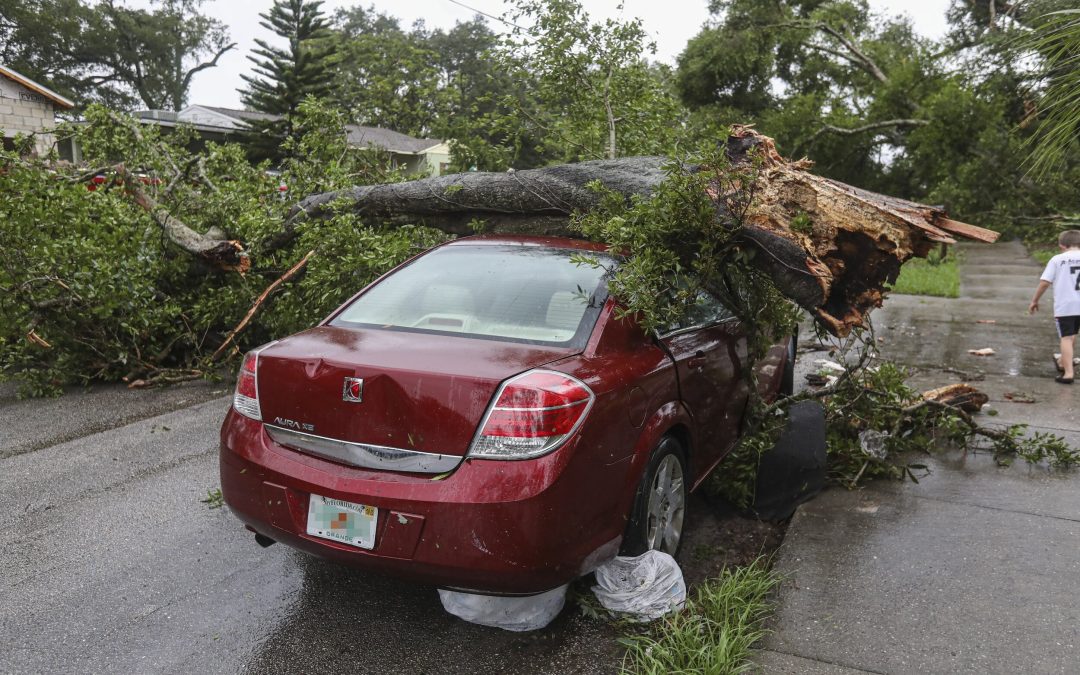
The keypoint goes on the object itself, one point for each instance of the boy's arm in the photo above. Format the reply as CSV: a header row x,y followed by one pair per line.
x,y
1034,306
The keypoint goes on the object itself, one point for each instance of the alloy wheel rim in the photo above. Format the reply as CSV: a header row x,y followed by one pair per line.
x,y
666,506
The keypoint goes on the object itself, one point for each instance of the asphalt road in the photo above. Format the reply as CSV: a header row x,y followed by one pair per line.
x,y
109,562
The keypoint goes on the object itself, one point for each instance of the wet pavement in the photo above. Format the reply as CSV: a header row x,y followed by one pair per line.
x,y
976,568
112,563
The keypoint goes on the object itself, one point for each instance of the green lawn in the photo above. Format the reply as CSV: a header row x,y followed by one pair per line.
x,y
932,276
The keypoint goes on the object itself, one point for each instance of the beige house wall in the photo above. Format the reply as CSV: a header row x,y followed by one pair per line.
x,y
23,111
432,162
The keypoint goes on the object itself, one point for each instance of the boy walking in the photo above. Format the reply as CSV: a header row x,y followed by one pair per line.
x,y
1063,272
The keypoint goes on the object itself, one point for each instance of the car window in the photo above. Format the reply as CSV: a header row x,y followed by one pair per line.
x,y
529,294
707,309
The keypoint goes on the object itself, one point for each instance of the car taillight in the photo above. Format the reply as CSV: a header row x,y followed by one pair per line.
x,y
532,414
246,398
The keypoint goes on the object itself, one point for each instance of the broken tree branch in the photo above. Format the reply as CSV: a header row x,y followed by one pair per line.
x,y
289,274
224,255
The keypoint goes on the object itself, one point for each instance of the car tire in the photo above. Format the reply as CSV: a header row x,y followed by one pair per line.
x,y
659,511
787,379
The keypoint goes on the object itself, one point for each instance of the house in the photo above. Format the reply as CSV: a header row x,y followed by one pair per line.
x,y
27,107
428,156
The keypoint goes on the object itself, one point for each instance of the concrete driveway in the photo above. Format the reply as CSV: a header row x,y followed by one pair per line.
x,y
976,569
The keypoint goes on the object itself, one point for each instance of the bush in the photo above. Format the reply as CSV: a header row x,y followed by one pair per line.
x,y
93,289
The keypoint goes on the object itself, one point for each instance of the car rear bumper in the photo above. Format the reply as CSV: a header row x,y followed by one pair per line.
x,y
505,527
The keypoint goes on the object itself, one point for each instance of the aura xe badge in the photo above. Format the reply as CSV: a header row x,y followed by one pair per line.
x,y
353,391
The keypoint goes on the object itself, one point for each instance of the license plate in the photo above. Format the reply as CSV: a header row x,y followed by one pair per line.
x,y
339,520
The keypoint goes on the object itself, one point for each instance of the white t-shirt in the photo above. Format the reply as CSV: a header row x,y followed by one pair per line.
x,y
1063,271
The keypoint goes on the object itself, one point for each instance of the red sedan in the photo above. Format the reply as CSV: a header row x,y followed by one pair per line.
x,y
480,419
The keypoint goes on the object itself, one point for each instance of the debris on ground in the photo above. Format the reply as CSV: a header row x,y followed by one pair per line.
x,y
644,587
960,395
518,614
986,321
826,364
985,351
977,376
1020,397
818,380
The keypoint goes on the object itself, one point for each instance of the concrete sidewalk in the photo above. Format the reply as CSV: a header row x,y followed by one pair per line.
x,y
976,568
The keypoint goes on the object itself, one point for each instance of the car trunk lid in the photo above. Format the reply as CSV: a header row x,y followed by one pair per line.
x,y
419,392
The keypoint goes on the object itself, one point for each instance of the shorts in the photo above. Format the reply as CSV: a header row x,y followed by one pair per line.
x,y
1067,325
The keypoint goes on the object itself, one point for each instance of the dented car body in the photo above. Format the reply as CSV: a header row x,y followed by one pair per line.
x,y
480,419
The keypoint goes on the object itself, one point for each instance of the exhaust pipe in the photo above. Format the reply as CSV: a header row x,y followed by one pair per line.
x,y
263,540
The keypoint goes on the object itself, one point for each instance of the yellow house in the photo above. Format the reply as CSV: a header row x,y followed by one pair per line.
x,y
428,156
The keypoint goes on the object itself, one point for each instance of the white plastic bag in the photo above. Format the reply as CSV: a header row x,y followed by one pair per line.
x,y
518,614
873,443
646,587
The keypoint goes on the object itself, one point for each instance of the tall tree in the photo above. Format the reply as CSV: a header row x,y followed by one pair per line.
x,y
386,76
284,77
594,92
111,53
469,61
157,53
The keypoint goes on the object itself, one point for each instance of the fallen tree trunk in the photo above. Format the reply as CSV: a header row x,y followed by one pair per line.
x,y
836,264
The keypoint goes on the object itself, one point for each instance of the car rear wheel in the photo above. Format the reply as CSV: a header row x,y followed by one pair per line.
x,y
656,521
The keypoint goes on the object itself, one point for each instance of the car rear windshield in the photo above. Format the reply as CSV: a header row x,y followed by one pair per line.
x,y
531,294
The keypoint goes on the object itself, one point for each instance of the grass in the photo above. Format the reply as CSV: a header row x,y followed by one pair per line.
x,y
937,275
214,499
714,633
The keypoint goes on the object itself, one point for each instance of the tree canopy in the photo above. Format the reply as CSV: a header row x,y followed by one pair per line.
x,y
109,53
878,106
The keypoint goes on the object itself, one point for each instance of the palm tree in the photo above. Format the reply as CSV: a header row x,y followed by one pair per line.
x,y
1058,42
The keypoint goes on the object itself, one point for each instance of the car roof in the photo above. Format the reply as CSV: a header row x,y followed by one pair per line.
x,y
528,240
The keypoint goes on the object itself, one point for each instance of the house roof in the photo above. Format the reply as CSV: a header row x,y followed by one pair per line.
x,y
241,114
37,88
212,118
387,139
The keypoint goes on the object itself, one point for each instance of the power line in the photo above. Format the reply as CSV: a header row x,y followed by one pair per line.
x,y
490,16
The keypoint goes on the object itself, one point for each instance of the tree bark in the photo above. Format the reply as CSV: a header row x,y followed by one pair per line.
x,y
837,267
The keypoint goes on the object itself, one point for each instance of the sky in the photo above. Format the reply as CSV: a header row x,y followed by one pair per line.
x,y
671,23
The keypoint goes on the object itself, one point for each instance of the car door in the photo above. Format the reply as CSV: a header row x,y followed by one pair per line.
x,y
709,347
